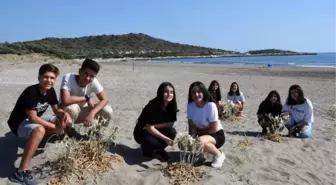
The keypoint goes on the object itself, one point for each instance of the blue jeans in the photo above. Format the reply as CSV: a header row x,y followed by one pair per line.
x,y
303,131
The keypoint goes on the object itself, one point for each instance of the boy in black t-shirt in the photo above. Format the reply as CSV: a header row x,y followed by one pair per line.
x,y
28,122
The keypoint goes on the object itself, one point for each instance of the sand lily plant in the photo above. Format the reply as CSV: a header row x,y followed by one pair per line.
x,y
230,110
184,171
77,160
276,126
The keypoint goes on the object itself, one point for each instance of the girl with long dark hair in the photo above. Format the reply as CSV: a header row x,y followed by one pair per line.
x,y
301,113
154,129
237,97
271,105
203,121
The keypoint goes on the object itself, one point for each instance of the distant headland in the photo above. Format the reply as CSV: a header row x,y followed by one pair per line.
x,y
130,45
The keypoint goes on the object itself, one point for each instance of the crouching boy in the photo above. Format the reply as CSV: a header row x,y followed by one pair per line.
x,y
28,122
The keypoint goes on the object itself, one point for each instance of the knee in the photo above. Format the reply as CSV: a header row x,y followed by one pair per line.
x,y
73,110
107,112
38,132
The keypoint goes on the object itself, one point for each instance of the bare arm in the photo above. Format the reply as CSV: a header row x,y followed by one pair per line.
x,y
102,102
57,111
152,130
163,125
32,117
67,99
242,106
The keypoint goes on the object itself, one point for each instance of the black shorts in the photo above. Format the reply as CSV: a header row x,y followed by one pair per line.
x,y
219,138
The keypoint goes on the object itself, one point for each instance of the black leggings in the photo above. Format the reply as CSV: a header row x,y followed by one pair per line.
x,y
150,143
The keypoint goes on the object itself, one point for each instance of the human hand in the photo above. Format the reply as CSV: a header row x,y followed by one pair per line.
x,y
88,119
65,119
59,129
169,141
291,130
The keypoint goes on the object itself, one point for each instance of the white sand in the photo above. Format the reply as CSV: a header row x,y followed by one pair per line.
x,y
295,161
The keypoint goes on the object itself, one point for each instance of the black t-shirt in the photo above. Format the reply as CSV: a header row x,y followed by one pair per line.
x,y
153,114
267,107
31,99
214,96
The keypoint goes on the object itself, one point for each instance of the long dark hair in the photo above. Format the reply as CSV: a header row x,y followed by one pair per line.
x,y
218,92
172,106
270,95
301,99
206,95
231,92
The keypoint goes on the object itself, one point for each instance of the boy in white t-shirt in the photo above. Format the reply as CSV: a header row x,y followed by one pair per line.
x,y
76,94
301,113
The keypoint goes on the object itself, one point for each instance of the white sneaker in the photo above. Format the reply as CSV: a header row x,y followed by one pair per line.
x,y
218,160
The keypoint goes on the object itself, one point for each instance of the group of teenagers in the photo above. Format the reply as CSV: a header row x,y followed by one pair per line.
x,y
154,129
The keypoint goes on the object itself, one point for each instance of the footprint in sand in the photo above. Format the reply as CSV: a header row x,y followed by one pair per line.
x,y
236,160
286,161
282,173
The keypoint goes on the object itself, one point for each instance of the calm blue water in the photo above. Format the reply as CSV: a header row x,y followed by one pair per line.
x,y
319,60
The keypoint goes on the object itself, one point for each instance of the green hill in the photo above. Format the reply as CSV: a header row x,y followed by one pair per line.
x,y
273,52
109,46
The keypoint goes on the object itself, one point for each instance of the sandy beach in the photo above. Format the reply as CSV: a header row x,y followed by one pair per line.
x,y
294,161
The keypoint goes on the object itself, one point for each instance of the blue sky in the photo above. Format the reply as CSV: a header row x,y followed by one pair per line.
x,y
300,25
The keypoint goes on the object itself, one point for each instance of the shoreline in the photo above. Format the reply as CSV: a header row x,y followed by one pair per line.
x,y
32,58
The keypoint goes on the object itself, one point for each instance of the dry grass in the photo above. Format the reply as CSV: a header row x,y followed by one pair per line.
x,y
81,159
245,142
230,111
276,137
183,173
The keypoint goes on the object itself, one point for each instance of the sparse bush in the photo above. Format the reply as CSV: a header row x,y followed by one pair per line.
x,y
80,159
276,126
230,110
184,171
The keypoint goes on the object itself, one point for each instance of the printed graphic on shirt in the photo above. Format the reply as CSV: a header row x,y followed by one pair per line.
x,y
41,107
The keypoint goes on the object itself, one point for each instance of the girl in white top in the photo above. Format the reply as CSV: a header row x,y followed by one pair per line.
x,y
237,97
301,113
203,121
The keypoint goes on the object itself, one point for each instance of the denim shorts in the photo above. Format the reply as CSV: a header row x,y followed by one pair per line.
x,y
26,127
301,134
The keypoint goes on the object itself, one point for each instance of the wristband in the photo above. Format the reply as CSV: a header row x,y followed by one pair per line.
x,y
87,98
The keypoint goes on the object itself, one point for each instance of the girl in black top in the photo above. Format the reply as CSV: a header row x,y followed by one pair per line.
x,y
271,105
154,129
214,90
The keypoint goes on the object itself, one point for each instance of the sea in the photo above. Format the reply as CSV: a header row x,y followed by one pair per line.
x,y
320,60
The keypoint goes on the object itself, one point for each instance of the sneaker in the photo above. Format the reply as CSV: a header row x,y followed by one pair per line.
x,y
24,178
218,160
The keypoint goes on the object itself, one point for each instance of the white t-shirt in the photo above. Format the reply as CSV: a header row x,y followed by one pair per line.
x,y
235,99
201,117
300,112
69,83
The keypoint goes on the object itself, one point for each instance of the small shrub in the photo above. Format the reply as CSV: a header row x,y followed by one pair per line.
x,y
83,158
184,171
